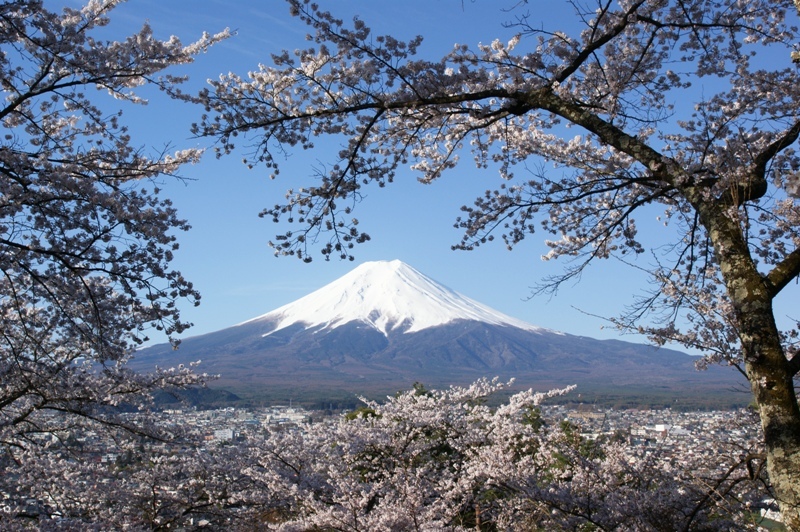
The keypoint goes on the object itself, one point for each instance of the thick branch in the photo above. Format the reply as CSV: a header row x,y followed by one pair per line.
x,y
787,139
783,273
756,185
607,133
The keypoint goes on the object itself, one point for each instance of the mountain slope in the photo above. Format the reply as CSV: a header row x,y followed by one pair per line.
x,y
384,326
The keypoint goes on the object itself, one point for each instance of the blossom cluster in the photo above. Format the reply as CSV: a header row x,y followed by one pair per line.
x,y
461,458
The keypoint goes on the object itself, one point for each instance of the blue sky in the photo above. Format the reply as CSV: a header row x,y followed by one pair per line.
x,y
226,253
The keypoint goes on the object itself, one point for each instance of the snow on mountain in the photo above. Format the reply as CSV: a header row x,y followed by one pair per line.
x,y
386,295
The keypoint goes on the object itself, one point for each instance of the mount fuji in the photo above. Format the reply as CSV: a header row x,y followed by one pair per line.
x,y
385,325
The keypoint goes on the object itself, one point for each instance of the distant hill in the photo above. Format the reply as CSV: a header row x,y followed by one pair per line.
x,y
195,397
384,326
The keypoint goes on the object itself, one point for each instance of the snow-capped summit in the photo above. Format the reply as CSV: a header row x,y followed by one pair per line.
x,y
386,295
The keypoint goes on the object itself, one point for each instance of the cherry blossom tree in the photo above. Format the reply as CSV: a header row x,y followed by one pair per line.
x,y
421,460
719,162
85,240
447,460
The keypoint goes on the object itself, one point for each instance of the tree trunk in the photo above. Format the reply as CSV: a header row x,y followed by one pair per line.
x,y
768,369
770,373
773,390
